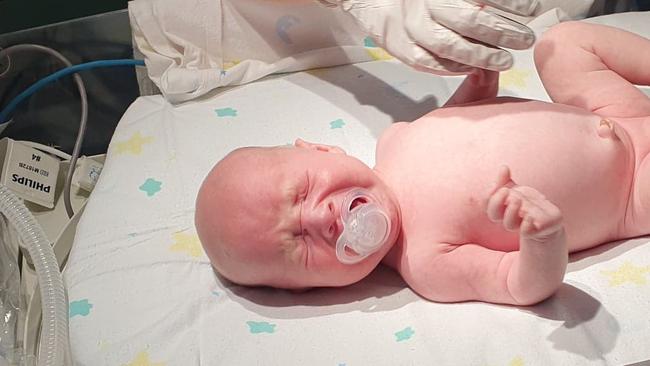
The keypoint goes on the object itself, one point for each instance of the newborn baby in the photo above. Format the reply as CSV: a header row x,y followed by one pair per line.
x,y
482,201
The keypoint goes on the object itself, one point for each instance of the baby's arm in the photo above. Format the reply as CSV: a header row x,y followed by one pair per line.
x,y
479,85
472,272
594,66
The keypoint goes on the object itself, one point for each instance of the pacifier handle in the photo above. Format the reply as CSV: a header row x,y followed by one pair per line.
x,y
343,255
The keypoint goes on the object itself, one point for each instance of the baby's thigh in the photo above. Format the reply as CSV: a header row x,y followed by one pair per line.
x,y
642,188
640,199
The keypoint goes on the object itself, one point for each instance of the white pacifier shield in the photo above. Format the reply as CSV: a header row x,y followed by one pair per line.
x,y
365,227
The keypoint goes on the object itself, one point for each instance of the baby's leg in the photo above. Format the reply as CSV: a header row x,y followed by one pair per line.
x,y
595,67
641,198
637,216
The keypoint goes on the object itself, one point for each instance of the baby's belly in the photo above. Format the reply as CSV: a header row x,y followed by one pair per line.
x,y
554,149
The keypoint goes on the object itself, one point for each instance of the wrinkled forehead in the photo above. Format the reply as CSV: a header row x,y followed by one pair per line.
x,y
270,177
263,196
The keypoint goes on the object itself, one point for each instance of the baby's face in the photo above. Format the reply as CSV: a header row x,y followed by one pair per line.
x,y
270,216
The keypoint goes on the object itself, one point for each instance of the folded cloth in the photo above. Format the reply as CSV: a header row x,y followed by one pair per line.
x,y
194,46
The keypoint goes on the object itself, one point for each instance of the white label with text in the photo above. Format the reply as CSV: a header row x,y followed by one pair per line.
x,y
30,173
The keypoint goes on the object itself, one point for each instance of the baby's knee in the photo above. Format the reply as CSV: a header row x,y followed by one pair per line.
x,y
555,38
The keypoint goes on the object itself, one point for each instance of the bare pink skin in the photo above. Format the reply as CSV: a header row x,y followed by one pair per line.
x,y
486,199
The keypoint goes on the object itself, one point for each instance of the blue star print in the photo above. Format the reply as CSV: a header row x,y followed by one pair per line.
x,y
260,327
338,123
282,26
226,112
151,186
81,307
404,334
368,42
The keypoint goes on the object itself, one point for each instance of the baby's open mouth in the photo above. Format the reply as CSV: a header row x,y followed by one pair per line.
x,y
357,202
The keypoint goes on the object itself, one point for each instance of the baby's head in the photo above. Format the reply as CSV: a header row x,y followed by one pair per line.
x,y
272,216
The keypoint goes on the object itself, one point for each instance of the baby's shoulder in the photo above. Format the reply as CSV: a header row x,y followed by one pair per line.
x,y
392,131
389,136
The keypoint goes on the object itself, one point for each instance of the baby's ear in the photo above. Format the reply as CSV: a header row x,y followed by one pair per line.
x,y
320,147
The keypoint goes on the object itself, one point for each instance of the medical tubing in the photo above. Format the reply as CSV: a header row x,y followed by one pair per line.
x,y
6,112
54,336
8,67
76,150
32,89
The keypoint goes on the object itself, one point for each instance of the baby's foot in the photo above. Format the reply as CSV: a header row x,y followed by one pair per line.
x,y
523,209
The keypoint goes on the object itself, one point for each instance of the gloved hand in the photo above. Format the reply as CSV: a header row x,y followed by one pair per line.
x,y
443,36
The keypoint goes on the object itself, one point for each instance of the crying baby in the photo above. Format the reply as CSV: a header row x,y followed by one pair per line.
x,y
480,200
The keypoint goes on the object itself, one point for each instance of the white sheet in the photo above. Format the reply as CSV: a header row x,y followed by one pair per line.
x,y
142,292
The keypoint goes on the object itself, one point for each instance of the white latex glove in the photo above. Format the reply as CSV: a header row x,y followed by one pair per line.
x,y
443,36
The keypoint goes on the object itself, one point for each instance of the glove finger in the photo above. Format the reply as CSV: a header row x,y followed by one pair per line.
x,y
399,44
473,22
422,60
444,43
519,7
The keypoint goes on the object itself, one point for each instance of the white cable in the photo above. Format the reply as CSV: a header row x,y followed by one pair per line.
x,y
82,123
48,149
6,70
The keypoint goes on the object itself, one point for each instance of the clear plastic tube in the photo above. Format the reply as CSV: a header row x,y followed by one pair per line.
x,y
54,334
11,306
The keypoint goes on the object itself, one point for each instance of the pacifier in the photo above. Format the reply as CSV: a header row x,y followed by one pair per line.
x,y
365,227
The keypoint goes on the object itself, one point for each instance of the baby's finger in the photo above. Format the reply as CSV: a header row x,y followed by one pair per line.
x,y
503,179
497,204
511,217
527,226
531,194
504,176
553,219
541,225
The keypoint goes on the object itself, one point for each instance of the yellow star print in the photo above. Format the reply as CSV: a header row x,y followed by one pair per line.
x,y
103,345
627,272
517,361
513,78
227,65
142,359
189,244
133,145
378,54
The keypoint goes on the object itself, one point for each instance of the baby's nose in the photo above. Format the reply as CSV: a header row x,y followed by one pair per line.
x,y
322,221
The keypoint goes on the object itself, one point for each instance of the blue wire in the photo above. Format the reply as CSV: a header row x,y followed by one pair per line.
x,y
6,112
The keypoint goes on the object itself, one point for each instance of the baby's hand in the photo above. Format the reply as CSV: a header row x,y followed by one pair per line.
x,y
523,209
484,78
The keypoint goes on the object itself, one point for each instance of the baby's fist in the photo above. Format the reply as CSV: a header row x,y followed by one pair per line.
x,y
523,209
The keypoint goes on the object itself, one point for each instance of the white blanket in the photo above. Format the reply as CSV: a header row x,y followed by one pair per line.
x,y
142,291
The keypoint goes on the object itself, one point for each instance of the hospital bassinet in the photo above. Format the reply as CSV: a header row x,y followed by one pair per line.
x,y
142,292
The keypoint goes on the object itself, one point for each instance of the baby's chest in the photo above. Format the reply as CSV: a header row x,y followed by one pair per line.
x,y
439,212
446,201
